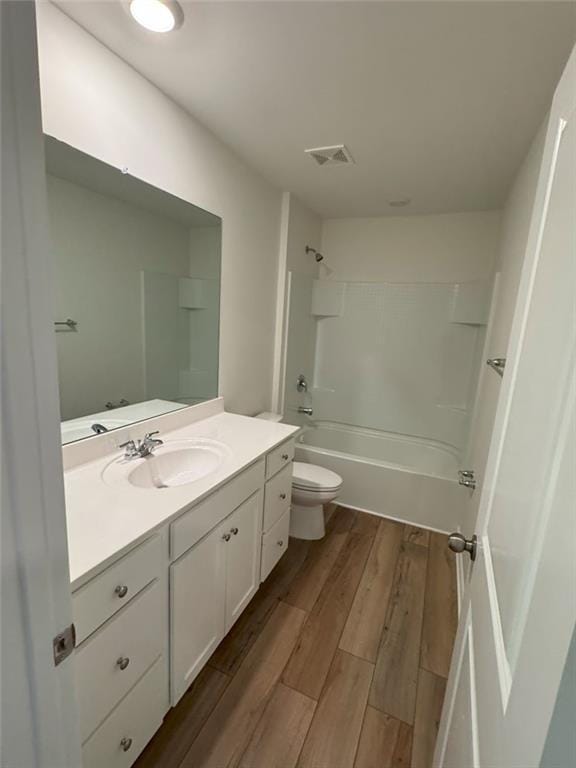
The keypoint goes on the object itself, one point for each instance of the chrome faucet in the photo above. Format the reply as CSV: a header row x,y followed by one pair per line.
x,y
99,429
141,449
305,411
301,383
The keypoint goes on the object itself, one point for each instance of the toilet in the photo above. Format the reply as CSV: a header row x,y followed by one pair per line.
x,y
312,487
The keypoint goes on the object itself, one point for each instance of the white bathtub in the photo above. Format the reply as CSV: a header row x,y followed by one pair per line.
x,y
396,476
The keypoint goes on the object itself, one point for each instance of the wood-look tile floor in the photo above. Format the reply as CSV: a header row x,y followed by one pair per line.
x,y
339,661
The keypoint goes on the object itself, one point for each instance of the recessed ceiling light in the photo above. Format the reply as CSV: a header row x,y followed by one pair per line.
x,y
400,203
157,15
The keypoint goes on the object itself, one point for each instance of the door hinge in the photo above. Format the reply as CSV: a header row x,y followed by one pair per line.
x,y
63,644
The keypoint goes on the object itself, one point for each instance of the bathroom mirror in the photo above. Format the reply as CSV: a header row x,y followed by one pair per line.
x,y
136,295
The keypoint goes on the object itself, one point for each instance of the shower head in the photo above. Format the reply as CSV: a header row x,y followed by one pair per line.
x,y
317,255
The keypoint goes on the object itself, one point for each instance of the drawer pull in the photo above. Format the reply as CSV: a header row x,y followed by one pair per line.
x,y
121,590
234,531
126,743
282,496
285,456
280,543
226,537
123,662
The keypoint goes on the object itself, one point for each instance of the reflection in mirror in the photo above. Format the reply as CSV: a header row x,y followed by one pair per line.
x,y
136,295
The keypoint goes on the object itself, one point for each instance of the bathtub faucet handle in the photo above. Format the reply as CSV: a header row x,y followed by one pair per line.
x,y
305,411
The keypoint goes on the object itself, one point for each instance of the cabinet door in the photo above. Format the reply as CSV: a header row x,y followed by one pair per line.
x,y
197,609
244,526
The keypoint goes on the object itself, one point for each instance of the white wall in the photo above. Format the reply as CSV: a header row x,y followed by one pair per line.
x,y
303,227
95,102
454,247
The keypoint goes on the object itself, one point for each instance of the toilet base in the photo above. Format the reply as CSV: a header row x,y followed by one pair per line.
x,y
307,522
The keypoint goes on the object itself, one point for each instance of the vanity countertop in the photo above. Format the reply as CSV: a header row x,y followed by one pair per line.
x,y
104,521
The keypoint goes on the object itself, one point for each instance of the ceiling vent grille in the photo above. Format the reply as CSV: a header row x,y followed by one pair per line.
x,y
337,155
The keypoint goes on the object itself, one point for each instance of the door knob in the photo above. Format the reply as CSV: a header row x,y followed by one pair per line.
x,y
458,543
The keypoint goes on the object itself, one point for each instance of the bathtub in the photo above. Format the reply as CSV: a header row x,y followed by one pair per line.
x,y
404,478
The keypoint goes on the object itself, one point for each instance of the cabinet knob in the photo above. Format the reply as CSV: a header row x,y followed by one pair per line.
x,y
280,543
226,537
234,531
126,743
121,590
123,662
285,456
282,496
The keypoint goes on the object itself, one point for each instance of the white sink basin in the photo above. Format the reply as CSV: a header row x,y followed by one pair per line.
x,y
177,462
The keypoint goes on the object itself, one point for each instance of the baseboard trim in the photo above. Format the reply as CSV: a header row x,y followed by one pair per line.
x,y
395,519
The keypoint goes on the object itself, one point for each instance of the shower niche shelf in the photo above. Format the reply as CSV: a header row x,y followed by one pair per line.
x,y
327,299
471,303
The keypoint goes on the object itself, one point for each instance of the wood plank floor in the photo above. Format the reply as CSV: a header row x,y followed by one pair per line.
x,y
339,661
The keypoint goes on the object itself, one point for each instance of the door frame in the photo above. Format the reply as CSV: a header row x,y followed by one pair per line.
x,y
39,713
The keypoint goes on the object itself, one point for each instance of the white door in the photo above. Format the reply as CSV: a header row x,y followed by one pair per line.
x,y
197,609
518,613
243,528
38,714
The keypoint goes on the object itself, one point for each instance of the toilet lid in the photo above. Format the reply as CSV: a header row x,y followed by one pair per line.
x,y
314,478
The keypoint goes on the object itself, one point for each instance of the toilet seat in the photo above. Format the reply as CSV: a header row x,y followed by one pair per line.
x,y
314,479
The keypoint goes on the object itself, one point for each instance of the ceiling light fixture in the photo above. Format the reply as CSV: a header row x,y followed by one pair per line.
x,y
157,15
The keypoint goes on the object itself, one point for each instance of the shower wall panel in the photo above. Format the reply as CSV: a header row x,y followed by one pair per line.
x,y
394,359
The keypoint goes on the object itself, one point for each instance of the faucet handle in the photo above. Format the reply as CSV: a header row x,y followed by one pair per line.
x,y
131,449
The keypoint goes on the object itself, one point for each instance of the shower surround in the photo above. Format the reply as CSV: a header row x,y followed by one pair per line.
x,y
393,370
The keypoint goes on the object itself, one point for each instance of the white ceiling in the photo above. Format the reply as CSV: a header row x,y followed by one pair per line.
x,y
437,101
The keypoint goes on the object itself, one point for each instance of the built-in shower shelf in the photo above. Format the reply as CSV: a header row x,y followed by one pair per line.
x,y
471,303
192,293
327,298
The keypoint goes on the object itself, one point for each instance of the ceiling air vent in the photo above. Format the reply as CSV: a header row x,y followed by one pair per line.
x,y
337,155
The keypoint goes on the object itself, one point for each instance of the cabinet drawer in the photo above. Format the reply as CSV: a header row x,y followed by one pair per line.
x,y
108,592
277,496
279,457
135,634
274,544
125,733
196,523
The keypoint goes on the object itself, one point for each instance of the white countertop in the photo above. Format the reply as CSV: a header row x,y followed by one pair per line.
x,y
104,521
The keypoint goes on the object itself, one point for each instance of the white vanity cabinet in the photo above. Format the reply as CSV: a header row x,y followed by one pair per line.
x,y
209,587
197,584
121,620
148,623
244,526
277,496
